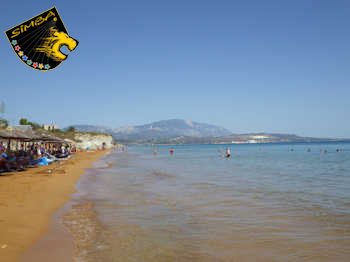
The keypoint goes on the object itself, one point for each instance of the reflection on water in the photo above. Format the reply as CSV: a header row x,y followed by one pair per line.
x,y
263,204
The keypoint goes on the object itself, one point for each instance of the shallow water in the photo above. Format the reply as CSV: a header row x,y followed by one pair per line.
x,y
265,203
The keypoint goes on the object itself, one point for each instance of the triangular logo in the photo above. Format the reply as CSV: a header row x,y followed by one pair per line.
x,y
37,41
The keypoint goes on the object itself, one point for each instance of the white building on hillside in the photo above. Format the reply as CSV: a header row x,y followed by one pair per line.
x,y
50,127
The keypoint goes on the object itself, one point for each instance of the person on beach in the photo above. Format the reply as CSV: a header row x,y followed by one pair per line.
x,y
155,152
228,153
42,149
38,151
2,147
4,160
171,151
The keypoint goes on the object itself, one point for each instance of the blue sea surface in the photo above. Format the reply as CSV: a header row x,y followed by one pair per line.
x,y
317,177
287,202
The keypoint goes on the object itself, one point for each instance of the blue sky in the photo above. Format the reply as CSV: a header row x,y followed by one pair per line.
x,y
249,66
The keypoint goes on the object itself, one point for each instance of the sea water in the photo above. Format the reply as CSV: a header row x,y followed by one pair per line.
x,y
268,202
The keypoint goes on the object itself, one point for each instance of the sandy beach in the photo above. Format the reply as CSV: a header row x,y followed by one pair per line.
x,y
28,199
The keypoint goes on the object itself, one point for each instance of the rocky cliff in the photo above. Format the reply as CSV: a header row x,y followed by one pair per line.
x,y
93,140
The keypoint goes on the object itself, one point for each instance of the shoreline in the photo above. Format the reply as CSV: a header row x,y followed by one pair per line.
x,y
29,202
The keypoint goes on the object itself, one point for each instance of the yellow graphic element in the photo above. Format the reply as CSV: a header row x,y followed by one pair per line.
x,y
51,45
33,23
20,53
41,66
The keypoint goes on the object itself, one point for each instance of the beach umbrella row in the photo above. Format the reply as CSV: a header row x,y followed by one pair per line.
x,y
30,136
6,134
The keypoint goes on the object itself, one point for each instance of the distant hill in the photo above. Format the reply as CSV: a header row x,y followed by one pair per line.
x,y
164,129
267,138
178,131
234,139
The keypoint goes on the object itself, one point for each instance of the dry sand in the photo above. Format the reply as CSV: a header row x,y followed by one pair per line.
x,y
28,199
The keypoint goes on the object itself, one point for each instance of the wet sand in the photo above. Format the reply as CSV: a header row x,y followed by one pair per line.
x,y
28,200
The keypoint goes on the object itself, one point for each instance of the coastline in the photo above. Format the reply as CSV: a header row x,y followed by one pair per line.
x,y
29,199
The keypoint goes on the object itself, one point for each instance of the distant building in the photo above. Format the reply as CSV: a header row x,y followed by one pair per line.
x,y
259,137
50,127
22,128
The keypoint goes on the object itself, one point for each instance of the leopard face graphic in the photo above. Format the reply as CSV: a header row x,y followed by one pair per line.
x,y
52,44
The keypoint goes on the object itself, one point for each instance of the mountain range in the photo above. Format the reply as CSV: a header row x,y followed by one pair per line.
x,y
179,131
159,130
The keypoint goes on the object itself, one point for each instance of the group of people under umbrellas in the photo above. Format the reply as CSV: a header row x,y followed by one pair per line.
x,y
19,151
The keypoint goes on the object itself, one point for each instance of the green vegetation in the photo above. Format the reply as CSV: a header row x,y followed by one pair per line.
x,y
71,129
3,123
69,133
23,121
62,134
35,126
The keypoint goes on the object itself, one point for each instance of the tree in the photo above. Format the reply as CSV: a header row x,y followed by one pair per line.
x,y
35,126
23,121
71,129
3,123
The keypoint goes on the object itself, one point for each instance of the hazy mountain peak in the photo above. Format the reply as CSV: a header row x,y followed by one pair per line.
x,y
160,129
179,131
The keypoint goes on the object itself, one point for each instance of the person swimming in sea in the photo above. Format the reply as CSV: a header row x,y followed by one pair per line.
x,y
228,153
171,151
155,152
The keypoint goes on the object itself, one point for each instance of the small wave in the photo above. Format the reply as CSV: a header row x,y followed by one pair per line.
x,y
103,165
86,229
162,175
109,165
